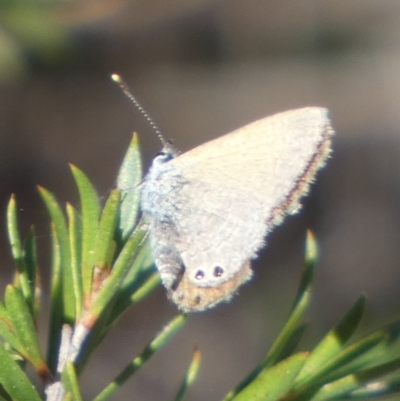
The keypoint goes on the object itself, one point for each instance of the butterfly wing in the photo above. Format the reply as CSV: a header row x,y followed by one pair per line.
x,y
216,203
272,158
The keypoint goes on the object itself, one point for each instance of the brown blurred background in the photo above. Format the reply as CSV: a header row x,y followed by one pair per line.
x,y
202,68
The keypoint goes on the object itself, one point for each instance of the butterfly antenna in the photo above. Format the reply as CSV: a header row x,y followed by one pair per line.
x,y
117,78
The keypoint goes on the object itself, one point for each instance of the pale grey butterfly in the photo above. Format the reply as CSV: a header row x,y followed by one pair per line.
x,y
210,209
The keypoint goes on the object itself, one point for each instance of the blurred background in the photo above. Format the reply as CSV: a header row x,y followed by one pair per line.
x,y
202,68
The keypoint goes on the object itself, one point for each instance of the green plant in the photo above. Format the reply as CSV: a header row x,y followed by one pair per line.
x,y
101,265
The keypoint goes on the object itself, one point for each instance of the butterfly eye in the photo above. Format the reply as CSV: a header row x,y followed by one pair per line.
x,y
199,275
163,157
218,271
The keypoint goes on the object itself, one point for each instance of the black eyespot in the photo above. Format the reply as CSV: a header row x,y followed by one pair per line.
x,y
199,275
218,271
197,300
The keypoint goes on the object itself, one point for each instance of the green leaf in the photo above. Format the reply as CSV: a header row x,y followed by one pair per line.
x,y
343,379
75,243
119,271
273,381
310,259
129,178
330,372
70,380
18,252
90,211
32,270
62,272
291,329
56,306
190,376
384,351
24,327
353,357
108,224
353,383
332,343
7,330
14,380
336,389
148,286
